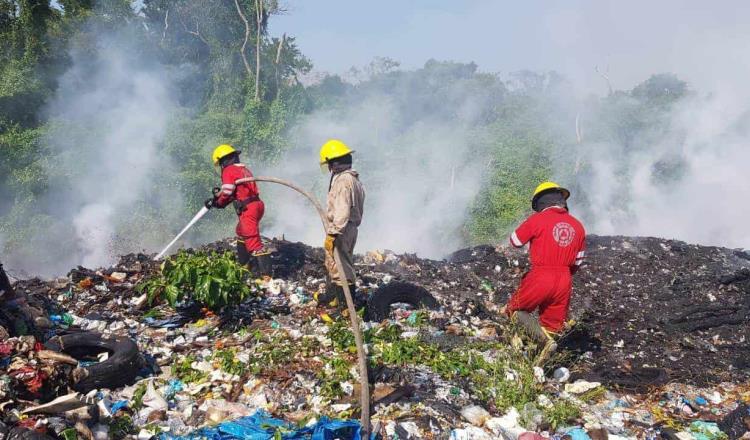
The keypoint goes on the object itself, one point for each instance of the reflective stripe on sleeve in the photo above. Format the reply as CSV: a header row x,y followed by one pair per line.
x,y
514,240
227,189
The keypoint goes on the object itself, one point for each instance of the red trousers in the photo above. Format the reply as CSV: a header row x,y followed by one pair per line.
x,y
248,227
547,289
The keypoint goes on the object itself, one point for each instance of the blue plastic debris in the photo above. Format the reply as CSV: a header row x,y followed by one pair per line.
x,y
701,430
578,434
701,401
120,404
617,403
174,386
261,426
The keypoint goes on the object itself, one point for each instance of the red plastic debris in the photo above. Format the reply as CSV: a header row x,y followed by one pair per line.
x,y
5,349
32,378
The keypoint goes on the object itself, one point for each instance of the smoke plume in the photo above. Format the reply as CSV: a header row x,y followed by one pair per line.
x,y
420,176
704,202
109,115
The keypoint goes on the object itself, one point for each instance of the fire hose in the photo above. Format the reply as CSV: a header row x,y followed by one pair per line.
x,y
364,382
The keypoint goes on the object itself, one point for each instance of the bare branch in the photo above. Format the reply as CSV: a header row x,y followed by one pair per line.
x,y
276,64
278,50
196,32
247,36
606,78
259,28
166,26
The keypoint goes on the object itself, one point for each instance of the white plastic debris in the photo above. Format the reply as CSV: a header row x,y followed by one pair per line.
x,y
544,401
470,433
118,276
539,375
581,386
100,431
338,407
475,414
153,399
507,425
715,398
561,375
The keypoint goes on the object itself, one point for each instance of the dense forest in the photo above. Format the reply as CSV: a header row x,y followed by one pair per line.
x,y
109,109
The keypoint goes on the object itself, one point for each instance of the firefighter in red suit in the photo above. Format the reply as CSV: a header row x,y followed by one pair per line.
x,y
557,249
245,198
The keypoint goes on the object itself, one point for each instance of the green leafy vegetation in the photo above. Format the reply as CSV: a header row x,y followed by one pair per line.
x,y
561,413
229,363
183,370
121,427
500,373
213,279
138,394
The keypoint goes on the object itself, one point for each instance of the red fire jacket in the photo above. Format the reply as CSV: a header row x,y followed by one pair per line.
x,y
249,220
557,239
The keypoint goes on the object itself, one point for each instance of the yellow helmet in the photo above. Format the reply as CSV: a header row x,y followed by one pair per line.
x,y
544,187
333,149
221,151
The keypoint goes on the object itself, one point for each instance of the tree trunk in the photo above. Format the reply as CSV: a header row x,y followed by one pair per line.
x,y
276,64
244,43
259,23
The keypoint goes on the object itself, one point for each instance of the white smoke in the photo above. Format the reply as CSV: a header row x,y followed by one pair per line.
x,y
419,181
706,204
112,109
94,230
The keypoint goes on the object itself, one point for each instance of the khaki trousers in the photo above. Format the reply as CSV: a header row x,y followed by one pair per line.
x,y
345,244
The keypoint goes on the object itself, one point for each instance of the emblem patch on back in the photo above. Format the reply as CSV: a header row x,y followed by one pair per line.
x,y
563,234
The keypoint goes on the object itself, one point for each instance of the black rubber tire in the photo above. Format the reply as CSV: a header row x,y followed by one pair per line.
x,y
379,303
734,424
26,434
120,369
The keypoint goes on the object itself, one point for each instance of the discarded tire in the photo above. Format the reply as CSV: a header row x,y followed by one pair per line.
x,y
737,422
120,368
379,303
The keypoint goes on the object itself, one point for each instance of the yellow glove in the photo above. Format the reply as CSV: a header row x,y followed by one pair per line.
x,y
328,244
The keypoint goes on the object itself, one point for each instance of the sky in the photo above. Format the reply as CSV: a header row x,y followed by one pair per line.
x,y
628,40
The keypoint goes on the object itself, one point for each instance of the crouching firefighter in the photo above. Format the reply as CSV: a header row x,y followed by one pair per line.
x,y
245,198
344,208
557,249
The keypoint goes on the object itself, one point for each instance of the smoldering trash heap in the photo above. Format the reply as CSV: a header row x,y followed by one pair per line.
x,y
658,348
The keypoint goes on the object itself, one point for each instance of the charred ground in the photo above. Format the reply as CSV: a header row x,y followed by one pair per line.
x,y
638,303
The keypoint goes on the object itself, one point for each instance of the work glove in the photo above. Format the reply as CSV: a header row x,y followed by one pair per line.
x,y
210,203
328,244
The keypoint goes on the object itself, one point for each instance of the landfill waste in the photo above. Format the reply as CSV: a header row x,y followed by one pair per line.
x,y
261,426
649,353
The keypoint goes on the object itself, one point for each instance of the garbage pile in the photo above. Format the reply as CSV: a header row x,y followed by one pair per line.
x,y
657,348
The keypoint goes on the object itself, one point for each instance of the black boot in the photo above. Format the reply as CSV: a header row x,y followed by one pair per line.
x,y
534,329
263,265
329,296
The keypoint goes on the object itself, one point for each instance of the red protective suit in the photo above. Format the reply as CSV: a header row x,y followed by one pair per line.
x,y
248,227
557,249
